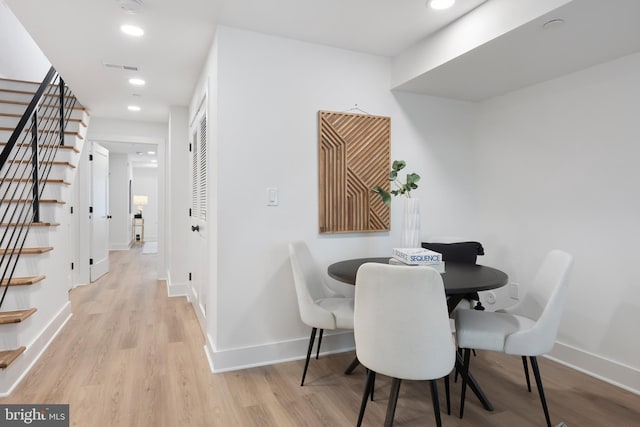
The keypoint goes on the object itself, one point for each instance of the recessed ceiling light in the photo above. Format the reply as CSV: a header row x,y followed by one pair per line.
x,y
553,23
137,82
440,4
151,152
134,108
132,30
154,161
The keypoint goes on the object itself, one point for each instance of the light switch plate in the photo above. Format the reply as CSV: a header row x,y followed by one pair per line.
x,y
272,196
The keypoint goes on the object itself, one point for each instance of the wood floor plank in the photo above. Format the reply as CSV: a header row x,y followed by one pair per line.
x,y
130,356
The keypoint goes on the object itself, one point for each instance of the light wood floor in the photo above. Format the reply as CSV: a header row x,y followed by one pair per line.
x,y
130,356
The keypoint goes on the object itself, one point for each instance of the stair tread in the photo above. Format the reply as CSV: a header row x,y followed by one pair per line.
x,y
63,147
56,163
19,81
52,201
23,281
33,224
17,316
31,92
18,116
48,181
8,356
26,130
29,251
4,101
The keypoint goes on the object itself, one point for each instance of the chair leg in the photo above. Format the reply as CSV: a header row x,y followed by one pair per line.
x,y
353,365
526,372
373,381
306,363
393,400
446,392
368,389
319,343
373,384
465,374
536,374
436,402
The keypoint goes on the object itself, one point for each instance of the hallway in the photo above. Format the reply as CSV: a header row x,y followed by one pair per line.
x,y
129,356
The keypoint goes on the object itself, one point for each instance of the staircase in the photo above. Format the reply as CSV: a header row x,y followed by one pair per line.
x,y
36,269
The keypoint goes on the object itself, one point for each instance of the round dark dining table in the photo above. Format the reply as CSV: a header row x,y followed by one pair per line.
x,y
459,279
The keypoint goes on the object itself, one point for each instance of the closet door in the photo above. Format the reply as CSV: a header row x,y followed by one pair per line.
x,y
198,242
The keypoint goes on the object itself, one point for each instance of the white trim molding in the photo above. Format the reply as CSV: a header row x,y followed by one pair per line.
x,y
607,370
14,373
272,353
176,289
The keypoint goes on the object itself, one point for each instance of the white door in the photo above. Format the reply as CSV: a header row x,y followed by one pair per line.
x,y
198,242
99,264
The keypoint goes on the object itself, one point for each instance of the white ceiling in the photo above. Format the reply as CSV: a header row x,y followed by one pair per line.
x,y
593,31
78,36
139,155
178,35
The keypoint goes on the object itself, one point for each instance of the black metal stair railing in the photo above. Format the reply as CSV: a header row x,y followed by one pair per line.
x,y
25,164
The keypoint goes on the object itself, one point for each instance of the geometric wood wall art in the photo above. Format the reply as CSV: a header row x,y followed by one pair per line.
x,y
354,157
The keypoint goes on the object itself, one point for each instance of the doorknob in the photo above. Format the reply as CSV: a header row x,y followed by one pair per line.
x,y
195,228
108,216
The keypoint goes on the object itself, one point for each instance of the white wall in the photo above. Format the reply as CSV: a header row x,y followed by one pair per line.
x,y
103,129
120,174
145,183
268,93
559,169
20,57
177,201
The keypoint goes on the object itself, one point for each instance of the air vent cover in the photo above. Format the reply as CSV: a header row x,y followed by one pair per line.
x,y
131,6
121,67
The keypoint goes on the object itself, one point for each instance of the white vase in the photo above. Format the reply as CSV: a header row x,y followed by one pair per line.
x,y
410,237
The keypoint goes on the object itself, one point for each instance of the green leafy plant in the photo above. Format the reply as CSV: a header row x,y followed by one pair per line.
x,y
400,188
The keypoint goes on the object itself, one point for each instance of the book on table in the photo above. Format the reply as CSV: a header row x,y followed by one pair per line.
x,y
418,256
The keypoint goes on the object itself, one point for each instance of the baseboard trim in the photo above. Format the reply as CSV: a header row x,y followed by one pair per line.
x,y
607,370
176,289
11,376
120,247
272,353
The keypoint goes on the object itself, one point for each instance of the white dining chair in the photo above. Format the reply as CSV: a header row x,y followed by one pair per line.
x,y
320,306
401,329
527,329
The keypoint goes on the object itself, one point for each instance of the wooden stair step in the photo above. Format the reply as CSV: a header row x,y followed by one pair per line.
x,y
19,81
55,131
50,201
24,281
8,356
17,316
26,92
33,224
62,147
26,104
55,163
18,116
47,181
29,251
